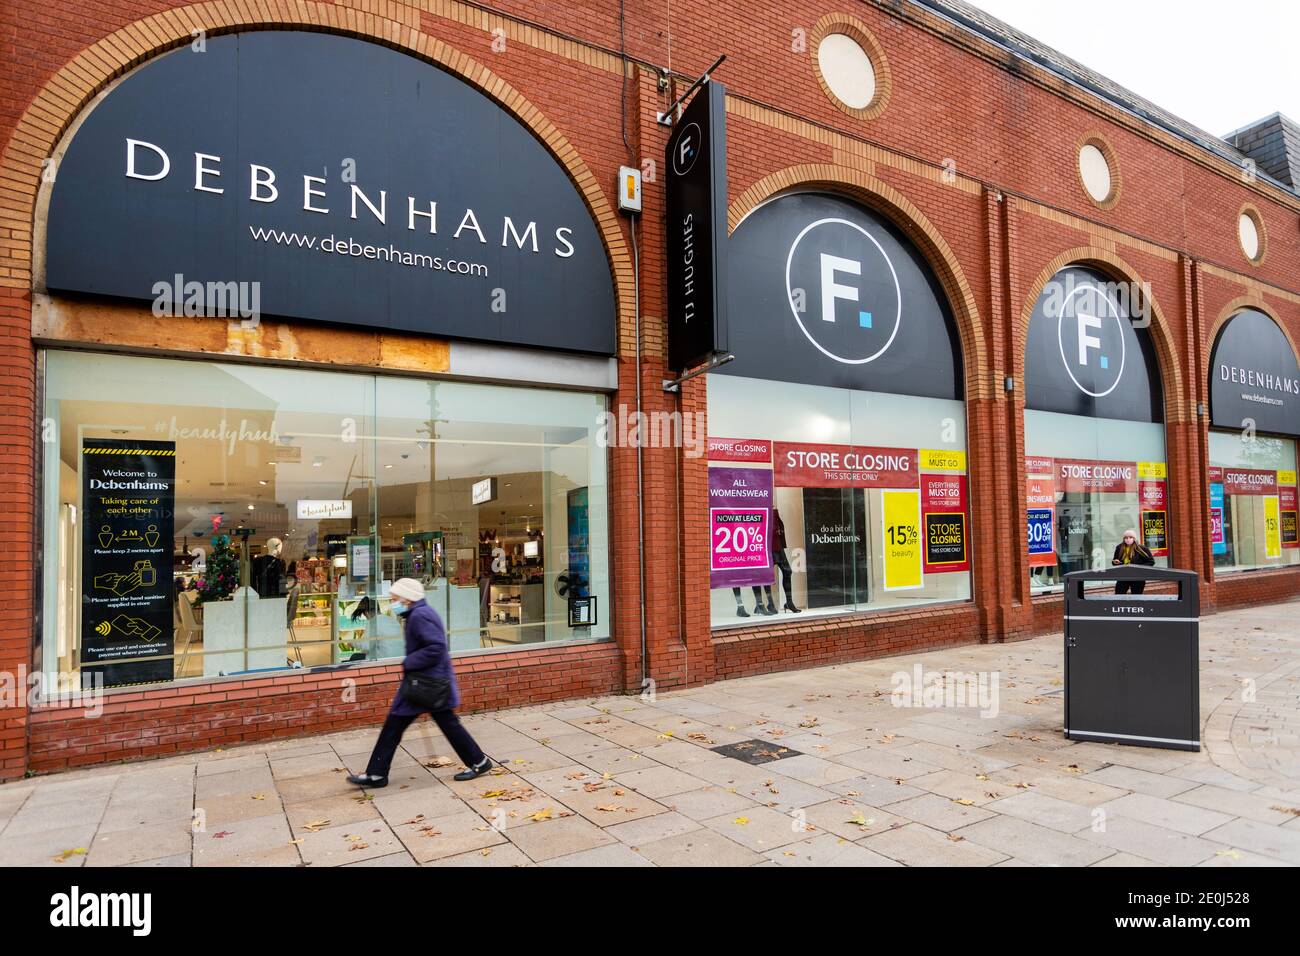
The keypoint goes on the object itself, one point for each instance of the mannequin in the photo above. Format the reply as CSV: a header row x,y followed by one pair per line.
x,y
268,570
783,563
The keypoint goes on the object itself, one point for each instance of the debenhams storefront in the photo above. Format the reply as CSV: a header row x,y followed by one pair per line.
x,y
311,314
427,317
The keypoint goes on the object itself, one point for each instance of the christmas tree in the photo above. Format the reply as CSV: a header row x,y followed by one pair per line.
x,y
222,574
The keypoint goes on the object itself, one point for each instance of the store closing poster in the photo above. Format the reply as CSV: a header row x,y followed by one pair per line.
x,y
943,513
1286,489
128,501
1153,502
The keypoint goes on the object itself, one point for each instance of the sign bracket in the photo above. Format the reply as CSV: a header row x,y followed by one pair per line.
x,y
715,360
667,117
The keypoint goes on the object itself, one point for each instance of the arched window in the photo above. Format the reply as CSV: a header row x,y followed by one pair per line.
x,y
837,477
1254,421
1094,427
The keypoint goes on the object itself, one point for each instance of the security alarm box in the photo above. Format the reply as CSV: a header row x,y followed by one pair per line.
x,y
629,189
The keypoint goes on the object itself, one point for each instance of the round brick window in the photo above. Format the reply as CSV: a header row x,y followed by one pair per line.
x,y
1250,234
847,70
1098,171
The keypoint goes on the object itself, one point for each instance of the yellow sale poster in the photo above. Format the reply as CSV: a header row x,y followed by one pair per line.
x,y
900,520
1272,528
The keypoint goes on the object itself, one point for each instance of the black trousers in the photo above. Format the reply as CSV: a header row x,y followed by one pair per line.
x,y
782,562
381,758
1130,587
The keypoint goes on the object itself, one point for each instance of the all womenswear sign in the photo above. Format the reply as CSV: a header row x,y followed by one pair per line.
x,y
127,501
740,506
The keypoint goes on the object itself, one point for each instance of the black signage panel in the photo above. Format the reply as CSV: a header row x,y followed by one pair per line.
x,y
1254,376
696,170
825,292
337,181
128,496
945,537
834,520
1085,356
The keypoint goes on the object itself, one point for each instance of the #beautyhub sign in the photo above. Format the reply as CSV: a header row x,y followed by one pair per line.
x,y
352,183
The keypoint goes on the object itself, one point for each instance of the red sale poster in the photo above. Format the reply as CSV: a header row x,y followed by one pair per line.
x,y
1289,513
740,449
1155,517
798,465
943,518
1075,475
1041,507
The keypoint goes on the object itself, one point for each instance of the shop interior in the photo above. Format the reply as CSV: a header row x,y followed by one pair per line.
x,y
321,504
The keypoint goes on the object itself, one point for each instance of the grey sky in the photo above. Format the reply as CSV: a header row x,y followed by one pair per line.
x,y
1217,65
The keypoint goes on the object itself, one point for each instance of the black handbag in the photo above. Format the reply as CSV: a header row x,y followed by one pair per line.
x,y
429,693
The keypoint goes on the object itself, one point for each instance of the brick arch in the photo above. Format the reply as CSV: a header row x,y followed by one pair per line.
x,y
1173,387
1250,301
67,94
899,210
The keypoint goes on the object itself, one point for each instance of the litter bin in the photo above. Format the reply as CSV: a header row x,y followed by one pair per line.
x,y
1132,667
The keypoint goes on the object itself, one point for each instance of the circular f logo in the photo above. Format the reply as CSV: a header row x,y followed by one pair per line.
x,y
1090,332
843,291
687,150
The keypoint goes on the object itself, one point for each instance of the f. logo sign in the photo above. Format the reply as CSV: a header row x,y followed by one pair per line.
x,y
687,150
854,305
1090,331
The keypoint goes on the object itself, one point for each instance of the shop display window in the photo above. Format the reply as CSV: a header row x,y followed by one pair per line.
x,y
1252,481
829,501
1095,463
204,519
1090,480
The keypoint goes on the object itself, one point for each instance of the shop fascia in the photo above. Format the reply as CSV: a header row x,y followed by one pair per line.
x,y
151,163
1253,378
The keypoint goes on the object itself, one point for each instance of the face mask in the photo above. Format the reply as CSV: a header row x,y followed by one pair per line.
x,y
400,608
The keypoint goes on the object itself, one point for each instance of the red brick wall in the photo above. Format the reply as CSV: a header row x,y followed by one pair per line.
x,y
1011,134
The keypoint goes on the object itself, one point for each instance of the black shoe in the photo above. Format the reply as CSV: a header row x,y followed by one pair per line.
x,y
369,780
789,606
741,612
469,773
759,609
771,608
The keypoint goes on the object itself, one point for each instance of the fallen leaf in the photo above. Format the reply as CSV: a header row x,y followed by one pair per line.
x,y
315,825
77,851
964,802
741,820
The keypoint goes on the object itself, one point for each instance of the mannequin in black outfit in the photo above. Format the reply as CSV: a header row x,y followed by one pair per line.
x,y
267,572
782,562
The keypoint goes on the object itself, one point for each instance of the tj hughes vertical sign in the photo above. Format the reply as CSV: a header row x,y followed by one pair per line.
x,y
696,167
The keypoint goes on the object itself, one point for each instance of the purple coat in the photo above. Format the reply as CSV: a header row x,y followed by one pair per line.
x,y
427,652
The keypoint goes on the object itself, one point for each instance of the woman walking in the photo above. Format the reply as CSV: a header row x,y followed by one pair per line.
x,y
428,675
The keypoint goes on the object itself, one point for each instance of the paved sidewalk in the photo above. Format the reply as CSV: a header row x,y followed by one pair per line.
x,y
826,772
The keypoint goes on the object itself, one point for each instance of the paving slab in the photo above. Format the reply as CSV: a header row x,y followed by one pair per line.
x,y
919,845
827,850
704,847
